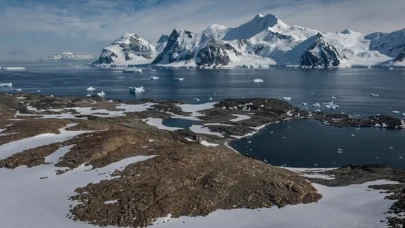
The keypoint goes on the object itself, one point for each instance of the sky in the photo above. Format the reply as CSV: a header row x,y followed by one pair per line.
x,y
31,29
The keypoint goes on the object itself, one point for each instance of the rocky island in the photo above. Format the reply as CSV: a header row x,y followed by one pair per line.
x,y
142,170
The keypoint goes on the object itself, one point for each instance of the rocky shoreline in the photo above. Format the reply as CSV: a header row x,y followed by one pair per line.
x,y
189,172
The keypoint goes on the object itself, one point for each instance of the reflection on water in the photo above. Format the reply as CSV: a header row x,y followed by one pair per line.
x,y
308,143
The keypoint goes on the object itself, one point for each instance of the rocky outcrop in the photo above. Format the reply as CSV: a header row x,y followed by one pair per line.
x,y
181,46
125,48
400,57
320,54
106,57
212,55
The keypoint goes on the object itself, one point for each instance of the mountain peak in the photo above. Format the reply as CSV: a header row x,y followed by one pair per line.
x,y
258,24
267,16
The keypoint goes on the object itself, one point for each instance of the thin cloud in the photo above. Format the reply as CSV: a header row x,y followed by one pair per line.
x,y
93,24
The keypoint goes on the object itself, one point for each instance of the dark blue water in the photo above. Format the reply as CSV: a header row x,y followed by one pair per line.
x,y
352,87
181,123
309,143
306,143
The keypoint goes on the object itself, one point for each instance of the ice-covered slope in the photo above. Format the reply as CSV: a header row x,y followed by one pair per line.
x,y
253,27
128,49
181,47
391,44
263,41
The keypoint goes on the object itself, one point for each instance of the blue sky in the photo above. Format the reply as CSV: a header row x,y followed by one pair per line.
x,y
30,29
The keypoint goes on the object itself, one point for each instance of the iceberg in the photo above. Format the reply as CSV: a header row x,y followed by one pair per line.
x,y
136,89
333,98
331,105
18,90
304,104
6,84
374,95
154,78
91,88
257,80
316,105
318,110
138,70
178,79
12,68
129,70
395,112
287,98
101,94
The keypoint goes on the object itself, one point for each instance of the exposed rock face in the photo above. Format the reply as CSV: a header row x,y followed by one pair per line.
x,y
179,182
106,57
181,46
127,48
400,57
184,178
212,54
321,54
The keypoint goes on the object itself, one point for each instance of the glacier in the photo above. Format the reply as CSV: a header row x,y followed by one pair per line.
x,y
262,42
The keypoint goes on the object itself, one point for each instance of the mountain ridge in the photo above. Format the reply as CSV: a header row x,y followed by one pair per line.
x,y
261,42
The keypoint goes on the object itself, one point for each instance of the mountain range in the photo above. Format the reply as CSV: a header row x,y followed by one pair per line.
x,y
262,42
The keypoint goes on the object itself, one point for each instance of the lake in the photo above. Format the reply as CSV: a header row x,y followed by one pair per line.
x,y
307,143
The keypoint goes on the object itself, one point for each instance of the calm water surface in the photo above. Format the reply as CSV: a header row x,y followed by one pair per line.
x,y
306,143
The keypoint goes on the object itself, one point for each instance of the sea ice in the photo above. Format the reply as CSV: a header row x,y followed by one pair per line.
x,y
101,94
136,89
91,89
257,80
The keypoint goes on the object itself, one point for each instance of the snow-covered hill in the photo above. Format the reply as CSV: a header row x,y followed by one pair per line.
x,y
264,41
130,49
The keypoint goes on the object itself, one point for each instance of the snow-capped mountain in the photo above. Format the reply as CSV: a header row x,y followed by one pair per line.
x,y
321,54
66,56
130,48
265,40
181,47
391,44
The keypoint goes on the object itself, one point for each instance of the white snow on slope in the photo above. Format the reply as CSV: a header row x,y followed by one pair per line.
x,y
204,130
195,108
59,153
240,118
26,201
11,148
340,207
158,123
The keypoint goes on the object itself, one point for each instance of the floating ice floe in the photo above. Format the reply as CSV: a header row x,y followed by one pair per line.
x,y
18,90
318,110
333,98
6,84
210,98
287,98
403,114
12,68
178,79
395,112
304,104
391,68
129,70
91,89
316,105
101,94
374,95
138,70
136,89
154,78
331,105
257,80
